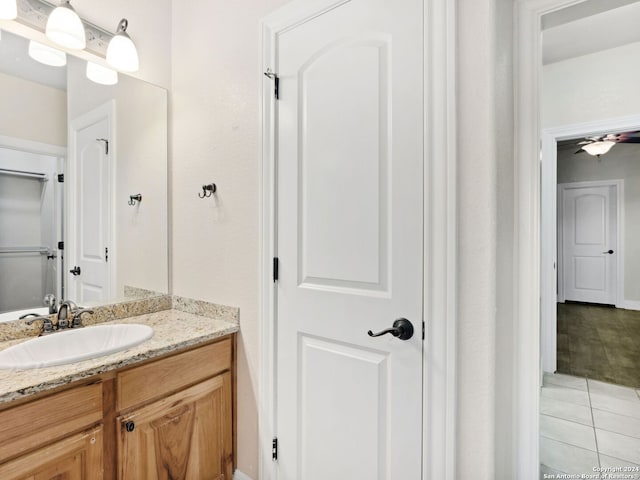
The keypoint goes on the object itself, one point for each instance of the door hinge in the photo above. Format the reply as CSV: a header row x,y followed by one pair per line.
x,y
106,144
60,245
423,329
276,268
61,178
106,254
274,449
276,82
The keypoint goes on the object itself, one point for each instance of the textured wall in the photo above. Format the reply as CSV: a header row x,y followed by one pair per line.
x,y
32,111
215,130
591,87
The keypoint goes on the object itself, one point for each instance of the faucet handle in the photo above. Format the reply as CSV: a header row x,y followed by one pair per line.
x,y
77,317
47,324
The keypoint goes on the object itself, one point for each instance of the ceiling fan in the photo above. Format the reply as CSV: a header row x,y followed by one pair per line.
x,y
601,144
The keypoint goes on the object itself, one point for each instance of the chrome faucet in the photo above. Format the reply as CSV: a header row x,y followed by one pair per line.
x,y
50,301
69,316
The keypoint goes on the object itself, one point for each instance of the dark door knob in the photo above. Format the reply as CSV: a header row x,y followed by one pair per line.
x,y
610,252
402,329
75,271
129,426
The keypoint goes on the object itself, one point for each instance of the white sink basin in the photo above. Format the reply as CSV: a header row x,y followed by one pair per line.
x,y
74,346
16,314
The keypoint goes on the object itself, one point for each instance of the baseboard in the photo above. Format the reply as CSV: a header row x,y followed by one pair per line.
x,y
238,475
629,305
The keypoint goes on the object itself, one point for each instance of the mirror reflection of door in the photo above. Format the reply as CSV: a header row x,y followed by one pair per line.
x,y
90,174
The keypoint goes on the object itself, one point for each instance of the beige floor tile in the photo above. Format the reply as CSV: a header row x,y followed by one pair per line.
x,y
567,458
566,410
618,446
568,432
615,405
614,422
617,391
614,464
570,395
567,381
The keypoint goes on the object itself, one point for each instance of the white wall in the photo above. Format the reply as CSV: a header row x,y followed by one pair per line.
x,y
32,111
622,162
215,130
591,87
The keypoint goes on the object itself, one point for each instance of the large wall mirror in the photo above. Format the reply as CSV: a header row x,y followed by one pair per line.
x,y
83,184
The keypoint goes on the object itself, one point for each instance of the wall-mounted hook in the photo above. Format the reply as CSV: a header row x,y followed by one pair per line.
x,y
134,198
208,190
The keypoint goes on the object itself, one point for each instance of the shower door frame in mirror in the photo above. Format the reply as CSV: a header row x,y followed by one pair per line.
x,y
39,148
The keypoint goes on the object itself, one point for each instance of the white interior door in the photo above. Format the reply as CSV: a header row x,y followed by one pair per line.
x,y
89,274
589,240
350,243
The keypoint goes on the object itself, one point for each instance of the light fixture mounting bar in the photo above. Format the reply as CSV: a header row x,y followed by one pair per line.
x,y
34,14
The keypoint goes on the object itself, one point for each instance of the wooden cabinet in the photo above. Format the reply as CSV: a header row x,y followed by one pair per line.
x,y
184,436
78,457
170,418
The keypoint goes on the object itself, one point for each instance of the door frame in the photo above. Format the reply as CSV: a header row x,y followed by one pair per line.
x,y
527,231
550,289
619,246
106,110
440,227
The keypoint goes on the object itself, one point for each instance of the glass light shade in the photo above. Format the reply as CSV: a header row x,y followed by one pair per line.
x,y
598,148
65,28
47,55
121,52
102,75
8,9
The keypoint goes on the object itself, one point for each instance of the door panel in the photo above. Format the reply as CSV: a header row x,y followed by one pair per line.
x,y
349,222
589,232
92,189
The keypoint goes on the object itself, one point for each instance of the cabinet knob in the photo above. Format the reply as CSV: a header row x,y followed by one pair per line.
x,y
129,426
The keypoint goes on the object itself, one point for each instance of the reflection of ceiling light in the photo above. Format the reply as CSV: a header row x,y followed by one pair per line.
x,y
8,9
47,55
102,75
121,52
598,148
65,28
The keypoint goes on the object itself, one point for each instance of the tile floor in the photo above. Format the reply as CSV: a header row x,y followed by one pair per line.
x,y
586,426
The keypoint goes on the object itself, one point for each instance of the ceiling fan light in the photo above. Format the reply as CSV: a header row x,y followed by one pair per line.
x,y
47,55
121,52
598,148
65,27
8,9
102,75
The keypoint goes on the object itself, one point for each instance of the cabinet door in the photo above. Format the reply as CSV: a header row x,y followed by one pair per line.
x,y
78,457
186,436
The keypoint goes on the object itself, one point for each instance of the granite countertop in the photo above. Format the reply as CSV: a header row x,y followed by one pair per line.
x,y
173,330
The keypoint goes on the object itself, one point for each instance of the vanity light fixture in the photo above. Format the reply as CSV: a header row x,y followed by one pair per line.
x,y
121,52
598,148
8,9
46,54
102,75
65,27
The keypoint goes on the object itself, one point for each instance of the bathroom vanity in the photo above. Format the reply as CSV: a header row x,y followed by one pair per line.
x,y
163,409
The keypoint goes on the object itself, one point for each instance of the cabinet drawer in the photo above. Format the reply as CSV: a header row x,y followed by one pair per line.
x,y
157,379
33,424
